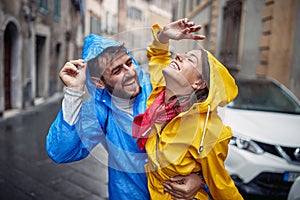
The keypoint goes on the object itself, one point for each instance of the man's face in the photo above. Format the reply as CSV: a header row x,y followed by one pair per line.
x,y
120,77
183,73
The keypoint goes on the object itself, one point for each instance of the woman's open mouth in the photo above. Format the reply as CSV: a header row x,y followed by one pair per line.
x,y
174,65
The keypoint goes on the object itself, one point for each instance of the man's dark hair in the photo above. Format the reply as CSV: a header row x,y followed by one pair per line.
x,y
97,65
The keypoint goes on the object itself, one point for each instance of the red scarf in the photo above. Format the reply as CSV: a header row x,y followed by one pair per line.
x,y
158,112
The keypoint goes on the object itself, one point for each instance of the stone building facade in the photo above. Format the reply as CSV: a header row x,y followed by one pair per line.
x,y
251,37
36,38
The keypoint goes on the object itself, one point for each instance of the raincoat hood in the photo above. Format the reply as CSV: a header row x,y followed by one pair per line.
x,y
222,86
93,46
222,90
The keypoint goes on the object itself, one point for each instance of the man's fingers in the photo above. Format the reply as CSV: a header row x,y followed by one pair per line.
x,y
174,188
177,191
178,198
83,67
78,63
69,68
74,66
167,186
177,178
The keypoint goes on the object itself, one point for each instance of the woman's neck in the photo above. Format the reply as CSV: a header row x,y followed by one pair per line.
x,y
168,96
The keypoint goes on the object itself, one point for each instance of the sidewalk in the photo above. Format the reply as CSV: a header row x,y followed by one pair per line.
x,y
26,171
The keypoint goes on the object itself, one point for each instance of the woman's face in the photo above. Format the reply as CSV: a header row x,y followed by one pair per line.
x,y
184,73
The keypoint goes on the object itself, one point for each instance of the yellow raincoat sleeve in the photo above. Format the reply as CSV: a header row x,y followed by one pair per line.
x,y
159,57
216,176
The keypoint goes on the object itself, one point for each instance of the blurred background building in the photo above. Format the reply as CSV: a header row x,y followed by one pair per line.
x,y
250,37
38,36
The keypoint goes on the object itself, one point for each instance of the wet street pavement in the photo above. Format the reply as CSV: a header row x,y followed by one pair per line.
x,y
26,171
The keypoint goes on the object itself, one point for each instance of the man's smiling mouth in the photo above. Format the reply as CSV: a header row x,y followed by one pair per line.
x,y
128,83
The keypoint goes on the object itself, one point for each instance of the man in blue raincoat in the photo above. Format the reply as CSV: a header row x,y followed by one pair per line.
x,y
118,91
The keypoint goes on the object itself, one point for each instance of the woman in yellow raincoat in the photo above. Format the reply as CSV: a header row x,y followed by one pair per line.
x,y
181,129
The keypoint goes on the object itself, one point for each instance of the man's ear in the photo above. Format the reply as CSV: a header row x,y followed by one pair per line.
x,y
98,82
199,85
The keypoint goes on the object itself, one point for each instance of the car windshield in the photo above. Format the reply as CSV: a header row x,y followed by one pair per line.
x,y
264,95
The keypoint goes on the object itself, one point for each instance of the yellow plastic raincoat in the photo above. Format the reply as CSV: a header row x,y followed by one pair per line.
x,y
175,149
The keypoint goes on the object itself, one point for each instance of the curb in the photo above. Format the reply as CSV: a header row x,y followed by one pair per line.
x,y
17,115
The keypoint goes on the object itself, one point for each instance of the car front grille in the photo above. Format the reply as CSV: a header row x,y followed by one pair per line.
x,y
269,148
273,181
288,153
267,185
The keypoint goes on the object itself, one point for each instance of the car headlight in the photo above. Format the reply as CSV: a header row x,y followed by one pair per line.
x,y
246,144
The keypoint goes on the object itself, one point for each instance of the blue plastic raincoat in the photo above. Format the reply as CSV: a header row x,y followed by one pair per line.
x,y
67,143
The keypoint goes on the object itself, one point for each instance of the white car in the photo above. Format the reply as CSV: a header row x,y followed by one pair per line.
x,y
264,152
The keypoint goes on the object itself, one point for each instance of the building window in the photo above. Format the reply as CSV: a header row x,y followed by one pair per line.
x,y
231,34
95,25
134,13
57,9
43,7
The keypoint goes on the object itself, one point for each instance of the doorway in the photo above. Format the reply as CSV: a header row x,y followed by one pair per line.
x,y
40,65
12,75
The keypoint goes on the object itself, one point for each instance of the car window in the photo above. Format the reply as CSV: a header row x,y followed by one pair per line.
x,y
264,95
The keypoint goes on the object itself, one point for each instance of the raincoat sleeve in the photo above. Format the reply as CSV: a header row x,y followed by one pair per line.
x,y
159,57
216,176
68,143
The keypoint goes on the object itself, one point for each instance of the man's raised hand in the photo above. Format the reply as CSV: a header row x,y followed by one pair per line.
x,y
73,74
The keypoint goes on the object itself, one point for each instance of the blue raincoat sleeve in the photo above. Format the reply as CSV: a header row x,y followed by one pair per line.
x,y
66,143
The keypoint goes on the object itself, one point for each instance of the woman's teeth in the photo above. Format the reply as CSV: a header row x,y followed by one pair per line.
x,y
174,66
